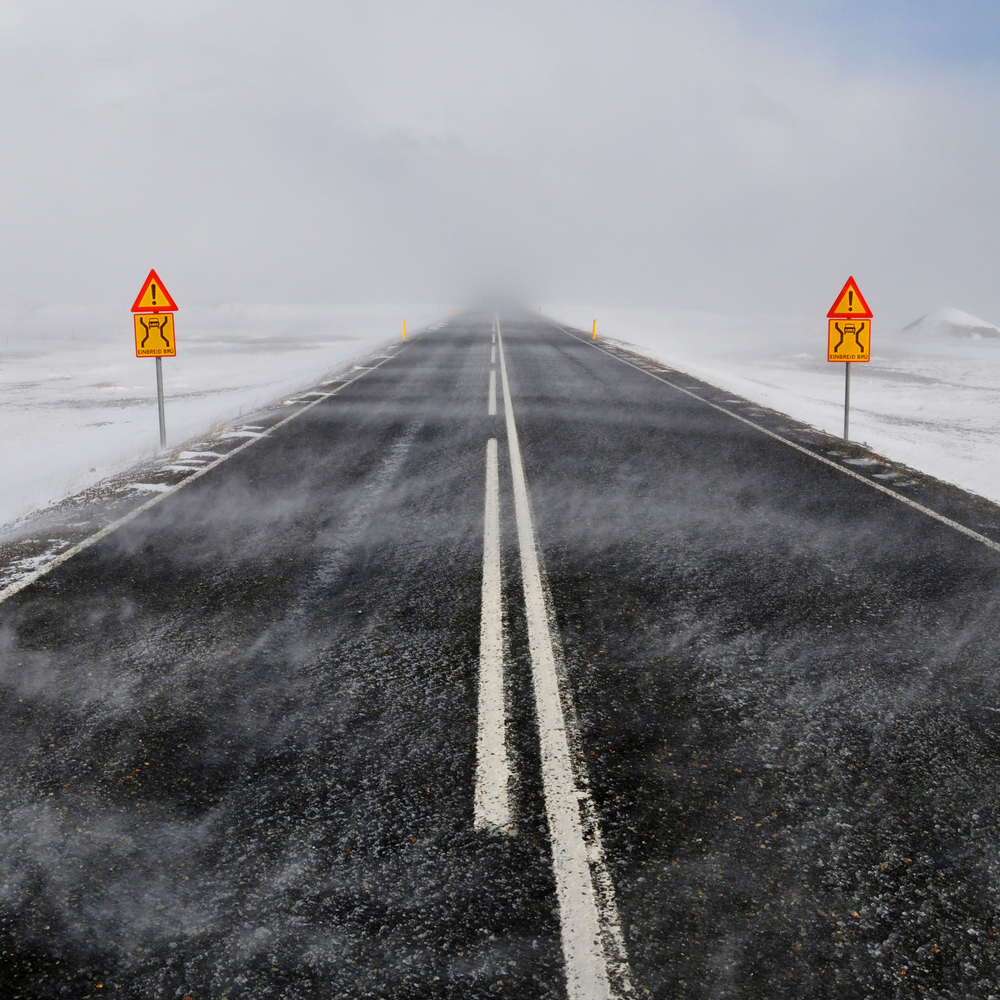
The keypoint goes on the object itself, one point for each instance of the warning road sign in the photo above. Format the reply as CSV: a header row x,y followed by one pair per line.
x,y
849,337
154,310
849,340
154,297
154,336
850,303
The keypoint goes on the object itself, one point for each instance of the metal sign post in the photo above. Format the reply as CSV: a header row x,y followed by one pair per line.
x,y
159,403
849,338
847,401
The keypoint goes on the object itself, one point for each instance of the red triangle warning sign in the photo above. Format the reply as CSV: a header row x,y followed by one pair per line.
x,y
850,303
154,297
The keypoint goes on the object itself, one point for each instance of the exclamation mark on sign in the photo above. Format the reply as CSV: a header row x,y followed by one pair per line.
x,y
850,299
152,288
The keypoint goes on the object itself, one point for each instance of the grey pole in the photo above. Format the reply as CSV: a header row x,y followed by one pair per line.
x,y
847,398
159,403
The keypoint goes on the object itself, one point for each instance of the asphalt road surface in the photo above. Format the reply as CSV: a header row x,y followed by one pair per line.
x,y
603,693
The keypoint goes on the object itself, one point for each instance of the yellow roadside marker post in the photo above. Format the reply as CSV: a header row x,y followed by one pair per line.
x,y
404,329
849,337
595,331
153,319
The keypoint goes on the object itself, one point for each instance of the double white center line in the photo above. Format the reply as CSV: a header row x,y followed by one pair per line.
x,y
596,963
492,800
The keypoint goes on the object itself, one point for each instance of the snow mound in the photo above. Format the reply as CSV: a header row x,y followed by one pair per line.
x,y
952,323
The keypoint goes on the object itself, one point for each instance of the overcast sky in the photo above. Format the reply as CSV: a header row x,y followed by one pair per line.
x,y
732,156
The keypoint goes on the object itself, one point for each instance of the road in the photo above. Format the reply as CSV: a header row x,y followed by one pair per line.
x,y
515,667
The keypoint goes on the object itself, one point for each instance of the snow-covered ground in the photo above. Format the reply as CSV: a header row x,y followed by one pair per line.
x,y
929,398
76,405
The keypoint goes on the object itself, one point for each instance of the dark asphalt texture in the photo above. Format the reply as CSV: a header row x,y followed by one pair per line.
x,y
239,733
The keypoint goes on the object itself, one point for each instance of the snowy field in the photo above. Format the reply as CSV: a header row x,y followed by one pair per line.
x,y
929,398
76,405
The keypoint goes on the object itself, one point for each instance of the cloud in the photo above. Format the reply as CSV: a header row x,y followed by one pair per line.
x,y
668,153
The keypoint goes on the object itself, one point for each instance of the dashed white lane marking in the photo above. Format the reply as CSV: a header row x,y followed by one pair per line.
x,y
27,581
492,802
493,354
491,409
593,947
982,539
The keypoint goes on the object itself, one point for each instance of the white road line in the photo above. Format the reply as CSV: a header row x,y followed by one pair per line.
x,y
493,354
593,947
982,539
492,802
491,410
27,581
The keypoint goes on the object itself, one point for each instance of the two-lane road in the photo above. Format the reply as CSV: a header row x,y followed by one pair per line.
x,y
508,669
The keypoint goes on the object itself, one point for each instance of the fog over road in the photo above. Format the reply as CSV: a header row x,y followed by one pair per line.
x,y
511,669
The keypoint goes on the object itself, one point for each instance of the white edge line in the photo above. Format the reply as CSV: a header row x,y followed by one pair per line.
x,y
93,539
988,542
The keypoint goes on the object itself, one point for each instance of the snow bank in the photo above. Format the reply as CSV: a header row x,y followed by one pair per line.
x,y
951,323
929,398
76,405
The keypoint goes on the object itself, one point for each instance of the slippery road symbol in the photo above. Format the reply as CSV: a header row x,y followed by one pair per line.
x,y
157,324
154,336
850,330
849,340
